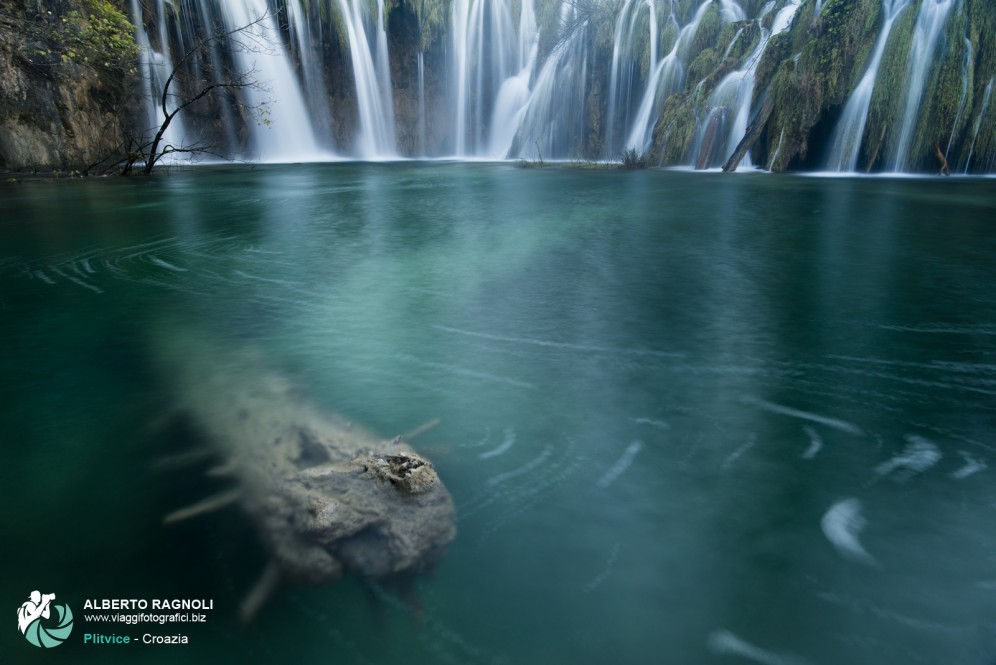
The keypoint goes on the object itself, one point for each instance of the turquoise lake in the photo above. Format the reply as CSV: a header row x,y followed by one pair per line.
x,y
685,417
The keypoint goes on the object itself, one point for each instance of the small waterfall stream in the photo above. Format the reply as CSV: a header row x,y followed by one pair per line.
x,y
156,67
371,71
930,22
291,139
668,76
731,102
850,131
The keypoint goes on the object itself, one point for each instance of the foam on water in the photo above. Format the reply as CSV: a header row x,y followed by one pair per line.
x,y
815,443
725,643
973,465
916,457
842,524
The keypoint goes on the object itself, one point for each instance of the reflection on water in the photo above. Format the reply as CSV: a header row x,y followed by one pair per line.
x,y
684,418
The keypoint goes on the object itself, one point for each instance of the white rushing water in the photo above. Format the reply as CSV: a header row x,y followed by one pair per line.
x,y
371,71
288,136
847,138
486,51
730,105
156,67
508,79
668,74
978,121
929,25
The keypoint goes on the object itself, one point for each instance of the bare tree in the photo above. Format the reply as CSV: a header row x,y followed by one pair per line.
x,y
198,78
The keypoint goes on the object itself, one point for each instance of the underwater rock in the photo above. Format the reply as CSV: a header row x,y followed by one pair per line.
x,y
325,496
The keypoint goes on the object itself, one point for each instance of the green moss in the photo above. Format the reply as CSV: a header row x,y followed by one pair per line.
x,y
674,134
886,109
99,35
709,29
704,64
433,18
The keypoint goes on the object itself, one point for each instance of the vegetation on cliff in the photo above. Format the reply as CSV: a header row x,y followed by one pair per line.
x,y
67,68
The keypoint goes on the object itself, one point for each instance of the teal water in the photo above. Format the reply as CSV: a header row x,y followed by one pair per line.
x,y
685,418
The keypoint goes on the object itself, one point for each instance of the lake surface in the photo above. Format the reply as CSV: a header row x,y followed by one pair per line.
x,y
685,417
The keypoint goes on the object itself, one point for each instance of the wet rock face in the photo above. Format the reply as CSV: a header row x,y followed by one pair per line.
x,y
54,112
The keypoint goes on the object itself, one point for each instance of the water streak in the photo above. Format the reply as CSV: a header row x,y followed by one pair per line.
x,y
841,425
842,524
815,443
504,447
725,643
624,462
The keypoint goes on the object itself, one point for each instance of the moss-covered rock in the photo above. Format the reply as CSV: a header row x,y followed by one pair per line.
x,y
65,67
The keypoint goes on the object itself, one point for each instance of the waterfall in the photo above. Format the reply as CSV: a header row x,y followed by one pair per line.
x,y
303,35
731,101
551,79
156,67
371,72
666,78
486,50
847,137
933,15
281,129
978,122
552,120
421,105
965,72
288,136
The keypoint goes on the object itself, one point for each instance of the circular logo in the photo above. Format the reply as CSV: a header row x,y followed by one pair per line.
x,y
53,631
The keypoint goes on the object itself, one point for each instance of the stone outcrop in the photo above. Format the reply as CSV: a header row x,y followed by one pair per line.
x,y
57,111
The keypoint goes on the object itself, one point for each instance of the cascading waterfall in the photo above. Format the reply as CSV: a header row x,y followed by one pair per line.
x,y
552,119
668,75
965,72
978,122
156,67
303,34
929,24
290,139
733,96
491,62
847,138
548,79
371,71
275,95
421,105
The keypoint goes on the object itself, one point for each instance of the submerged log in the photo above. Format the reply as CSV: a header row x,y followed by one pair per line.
x,y
325,496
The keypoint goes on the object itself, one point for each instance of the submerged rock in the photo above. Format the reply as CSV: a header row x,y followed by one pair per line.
x,y
325,497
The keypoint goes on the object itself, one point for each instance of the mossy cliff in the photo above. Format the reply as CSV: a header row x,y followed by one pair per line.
x,y
65,82
811,70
